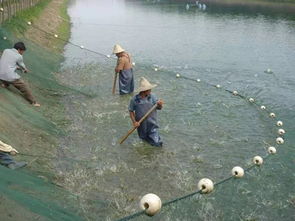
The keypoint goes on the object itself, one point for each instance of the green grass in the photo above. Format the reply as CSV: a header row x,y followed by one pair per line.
x,y
18,23
64,29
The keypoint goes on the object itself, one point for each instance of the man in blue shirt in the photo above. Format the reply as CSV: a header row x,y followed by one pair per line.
x,y
12,60
139,105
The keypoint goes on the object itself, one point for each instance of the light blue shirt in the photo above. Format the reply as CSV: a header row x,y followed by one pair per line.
x,y
138,100
9,62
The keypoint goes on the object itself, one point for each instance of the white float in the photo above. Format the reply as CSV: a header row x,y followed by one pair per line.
x,y
251,100
217,86
151,204
133,63
272,150
178,75
237,172
280,140
235,93
82,47
205,185
56,36
1,9
108,56
279,123
268,70
262,107
187,7
29,23
4,38
156,69
281,131
272,115
258,160
198,80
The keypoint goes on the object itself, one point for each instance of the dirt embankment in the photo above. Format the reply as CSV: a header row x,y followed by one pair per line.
x,y
53,20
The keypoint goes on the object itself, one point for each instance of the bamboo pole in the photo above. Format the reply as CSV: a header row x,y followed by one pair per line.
x,y
140,121
114,83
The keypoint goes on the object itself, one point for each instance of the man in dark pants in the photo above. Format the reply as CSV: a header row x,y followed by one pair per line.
x,y
6,159
124,68
12,60
139,105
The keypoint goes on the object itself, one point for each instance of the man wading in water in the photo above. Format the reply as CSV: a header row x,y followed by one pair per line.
x,y
139,105
124,68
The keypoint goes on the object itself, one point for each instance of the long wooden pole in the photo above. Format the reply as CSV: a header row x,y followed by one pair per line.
x,y
140,121
115,81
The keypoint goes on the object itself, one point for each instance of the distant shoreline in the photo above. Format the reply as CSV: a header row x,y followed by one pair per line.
x,y
274,6
245,2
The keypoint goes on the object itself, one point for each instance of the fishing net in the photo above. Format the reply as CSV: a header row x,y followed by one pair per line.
x,y
77,170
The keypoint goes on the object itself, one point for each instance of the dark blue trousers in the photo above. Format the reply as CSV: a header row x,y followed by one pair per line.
x,y
5,159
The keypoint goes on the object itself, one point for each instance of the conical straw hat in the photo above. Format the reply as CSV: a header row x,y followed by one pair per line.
x,y
145,85
7,148
117,49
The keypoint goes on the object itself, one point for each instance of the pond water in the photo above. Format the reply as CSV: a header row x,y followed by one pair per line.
x,y
206,130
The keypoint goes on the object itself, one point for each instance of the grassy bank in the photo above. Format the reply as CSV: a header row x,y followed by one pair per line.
x,y
18,24
64,29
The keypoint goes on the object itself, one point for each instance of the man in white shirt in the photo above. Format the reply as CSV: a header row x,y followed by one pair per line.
x,y
12,60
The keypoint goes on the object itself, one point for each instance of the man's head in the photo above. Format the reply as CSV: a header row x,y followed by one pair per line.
x,y
118,50
145,93
145,86
119,54
20,47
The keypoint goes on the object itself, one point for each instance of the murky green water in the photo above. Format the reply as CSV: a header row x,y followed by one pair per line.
x,y
206,130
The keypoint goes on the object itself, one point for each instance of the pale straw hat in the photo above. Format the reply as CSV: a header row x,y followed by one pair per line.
x,y
117,49
145,85
7,148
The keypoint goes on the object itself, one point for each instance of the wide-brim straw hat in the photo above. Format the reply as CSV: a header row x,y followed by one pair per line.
x,y
7,148
117,49
145,85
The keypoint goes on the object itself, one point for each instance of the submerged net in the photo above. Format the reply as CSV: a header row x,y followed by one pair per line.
x,y
77,171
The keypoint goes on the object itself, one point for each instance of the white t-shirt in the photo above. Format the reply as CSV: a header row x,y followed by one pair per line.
x,y
9,62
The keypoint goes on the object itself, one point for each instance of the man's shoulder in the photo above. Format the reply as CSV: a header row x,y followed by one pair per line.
x,y
135,98
125,57
11,51
8,50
